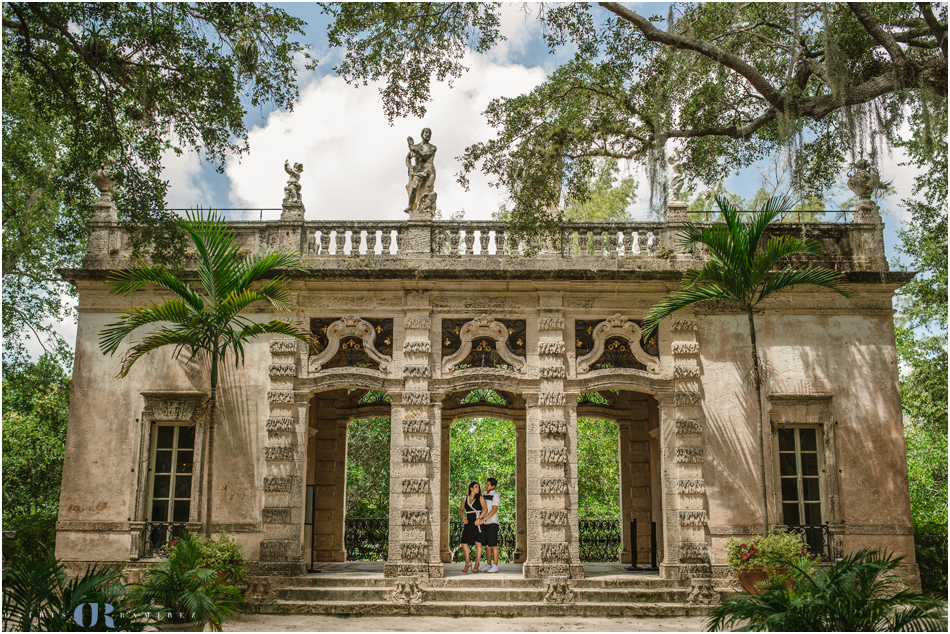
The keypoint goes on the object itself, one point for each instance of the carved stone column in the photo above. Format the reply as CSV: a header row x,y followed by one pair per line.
x,y
521,502
635,487
328,422
445,548
285,463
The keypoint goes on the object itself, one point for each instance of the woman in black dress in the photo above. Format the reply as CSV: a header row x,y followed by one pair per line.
x,y
472,506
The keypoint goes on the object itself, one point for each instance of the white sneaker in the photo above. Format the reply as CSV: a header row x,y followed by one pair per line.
x,y
492,569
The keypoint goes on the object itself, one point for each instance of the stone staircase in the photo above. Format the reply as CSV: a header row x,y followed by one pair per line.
x,y
502,594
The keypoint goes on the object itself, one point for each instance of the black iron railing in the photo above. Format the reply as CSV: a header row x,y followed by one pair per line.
x,y
600,540
817,539
366,539
158,535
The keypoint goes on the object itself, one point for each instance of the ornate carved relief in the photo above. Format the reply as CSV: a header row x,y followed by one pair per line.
x,y
283,346
424,347
689,426
685,372
414,517
278,484
414,551
554,454
692,518
685,347
691,487
683,324
417,371
281,423
481,341
415,454
407,591
415,485
554,552
553,372
280,396
552,517
553,427
275,516
551,399
171,409
351,341
551,323
415,426
702,592
415,398
551,347
607,347
691,453
686,398
282,369
418,323
279,452
558,590
694,552
554,485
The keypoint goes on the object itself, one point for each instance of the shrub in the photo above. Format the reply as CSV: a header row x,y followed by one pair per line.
x,y
859,593
223,553
930,541
35,536
756,551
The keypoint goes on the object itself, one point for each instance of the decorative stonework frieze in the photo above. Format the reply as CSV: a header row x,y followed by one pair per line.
x,y
283,346
558,590
689,426
554,485
282,369
551,399
171,410
415,398
555,517
415,485
280,396
415,426
279,452
703,592
551,323
551,347
414,551
346,329
417,371
280,423
414,517
694,552
685,372
274,550
415,454
553,427
685,347
484,327
417,346
618,326
690,453
418,323
554,454
553,372
554,552
692,518
278,484
691,487
275,516
686,398
683,324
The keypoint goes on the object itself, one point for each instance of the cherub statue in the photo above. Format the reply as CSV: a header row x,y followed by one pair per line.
x,y
677,180
422,173
292,189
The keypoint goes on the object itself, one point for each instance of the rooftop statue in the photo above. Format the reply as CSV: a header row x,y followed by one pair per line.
x,y
420,163
292,189
677,180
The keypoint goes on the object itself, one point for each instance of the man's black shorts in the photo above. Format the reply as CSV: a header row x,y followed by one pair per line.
x,y
490,534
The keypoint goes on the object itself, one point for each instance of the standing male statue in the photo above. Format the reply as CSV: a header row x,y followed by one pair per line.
x,y
421,174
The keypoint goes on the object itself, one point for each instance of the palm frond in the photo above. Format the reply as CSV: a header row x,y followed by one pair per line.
x,y
171,310
125,281
771,209
182,339
677,301
802,276
778,248
217,250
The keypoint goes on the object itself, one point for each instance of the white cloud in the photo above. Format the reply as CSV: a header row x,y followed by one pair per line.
x,y
354,161
187,188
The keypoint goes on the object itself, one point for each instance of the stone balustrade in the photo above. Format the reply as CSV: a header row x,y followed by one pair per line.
x,y
850,246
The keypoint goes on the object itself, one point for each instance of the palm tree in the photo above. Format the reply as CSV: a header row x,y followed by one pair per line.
x,y
204,321
744,269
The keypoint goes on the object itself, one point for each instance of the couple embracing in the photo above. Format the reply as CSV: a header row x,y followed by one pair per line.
x,y
480,516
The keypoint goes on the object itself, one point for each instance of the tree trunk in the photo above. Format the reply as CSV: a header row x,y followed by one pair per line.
x,y
757,380
210,457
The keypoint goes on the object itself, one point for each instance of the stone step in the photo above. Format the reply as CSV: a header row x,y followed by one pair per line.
x,y
476,581
486,594
482,608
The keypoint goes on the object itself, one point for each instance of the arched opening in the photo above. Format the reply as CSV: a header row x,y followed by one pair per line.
x,y
347,498
620,514
483,436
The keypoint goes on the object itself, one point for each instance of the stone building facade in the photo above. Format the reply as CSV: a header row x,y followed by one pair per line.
x,y
428,311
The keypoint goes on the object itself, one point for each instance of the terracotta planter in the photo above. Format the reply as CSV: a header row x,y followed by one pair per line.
x,y
750,579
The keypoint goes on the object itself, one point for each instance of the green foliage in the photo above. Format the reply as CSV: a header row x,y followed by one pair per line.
x,y
35,409
927,476
85,81
598,469
39,597
222,553
856,594
34,534
367,468
481,448
599,196
732,82
756,551
186,591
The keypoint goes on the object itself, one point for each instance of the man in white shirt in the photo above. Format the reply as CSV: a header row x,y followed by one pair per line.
x,y
489,520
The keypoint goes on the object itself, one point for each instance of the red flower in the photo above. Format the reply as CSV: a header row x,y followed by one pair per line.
x,y
752,550
804,550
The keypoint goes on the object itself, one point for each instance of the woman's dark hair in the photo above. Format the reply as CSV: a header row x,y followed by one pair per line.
x,y
474,484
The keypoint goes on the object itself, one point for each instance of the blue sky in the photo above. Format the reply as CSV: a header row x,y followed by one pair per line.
x,y
354,160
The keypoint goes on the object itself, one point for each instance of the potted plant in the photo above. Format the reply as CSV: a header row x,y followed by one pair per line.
x,y
755,558
189,595
225,555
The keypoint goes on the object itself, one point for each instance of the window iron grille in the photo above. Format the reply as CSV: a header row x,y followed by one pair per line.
x,y
816,537
159,536
366,539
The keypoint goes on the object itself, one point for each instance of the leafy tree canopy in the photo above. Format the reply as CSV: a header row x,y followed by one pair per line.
x,y
83,82
830,79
